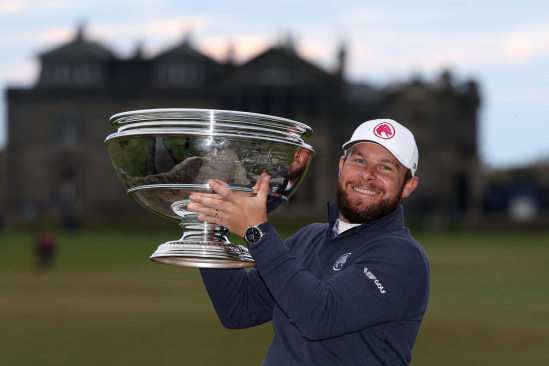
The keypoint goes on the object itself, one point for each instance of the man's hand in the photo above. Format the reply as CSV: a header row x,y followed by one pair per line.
x,y
235,211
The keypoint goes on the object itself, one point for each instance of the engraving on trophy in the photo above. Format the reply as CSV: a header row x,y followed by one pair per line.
x,y
163,155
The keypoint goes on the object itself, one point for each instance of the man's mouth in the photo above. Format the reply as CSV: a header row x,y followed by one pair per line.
x,y
365,191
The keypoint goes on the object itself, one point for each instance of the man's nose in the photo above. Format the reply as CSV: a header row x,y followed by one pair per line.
x,y
368,173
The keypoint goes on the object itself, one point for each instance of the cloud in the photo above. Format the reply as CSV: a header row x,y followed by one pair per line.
x,y
437,36
245,46
528,96
157,33
519,48
397,48
174,27
31,40
316,50
23,73
12,6
57,34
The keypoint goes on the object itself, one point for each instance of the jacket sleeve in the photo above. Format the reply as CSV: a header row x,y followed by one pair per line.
x,y
240,298
394,289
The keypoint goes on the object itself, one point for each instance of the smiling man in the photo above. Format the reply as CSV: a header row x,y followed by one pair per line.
x,y
350,292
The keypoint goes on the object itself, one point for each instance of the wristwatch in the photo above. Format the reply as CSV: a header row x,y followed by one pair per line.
x,y
253,235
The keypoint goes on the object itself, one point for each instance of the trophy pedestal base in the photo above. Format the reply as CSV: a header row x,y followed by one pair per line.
x,y
204,254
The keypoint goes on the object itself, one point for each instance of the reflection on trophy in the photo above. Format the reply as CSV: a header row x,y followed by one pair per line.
x,y
163,155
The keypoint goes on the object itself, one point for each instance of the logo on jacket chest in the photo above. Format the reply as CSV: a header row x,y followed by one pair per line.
x,y
341,261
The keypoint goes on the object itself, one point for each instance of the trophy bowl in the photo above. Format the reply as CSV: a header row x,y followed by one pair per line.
x,y
163,155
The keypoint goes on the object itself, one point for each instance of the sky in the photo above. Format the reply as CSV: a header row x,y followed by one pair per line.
x,y
503,45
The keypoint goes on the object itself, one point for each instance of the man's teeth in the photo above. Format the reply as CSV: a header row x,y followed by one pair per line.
x,y
365,191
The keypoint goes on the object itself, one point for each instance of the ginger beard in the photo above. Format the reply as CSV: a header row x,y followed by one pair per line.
x,y
298,166
356,213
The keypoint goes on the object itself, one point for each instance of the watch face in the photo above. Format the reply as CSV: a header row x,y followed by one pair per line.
x,y
253,234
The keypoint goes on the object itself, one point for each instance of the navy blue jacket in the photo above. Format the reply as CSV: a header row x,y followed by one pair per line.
x,y
357,298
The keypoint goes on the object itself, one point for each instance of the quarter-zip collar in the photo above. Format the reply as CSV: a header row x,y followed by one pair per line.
x,y
393,220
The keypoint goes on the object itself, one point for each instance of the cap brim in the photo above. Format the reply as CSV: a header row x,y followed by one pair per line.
x,y
350,144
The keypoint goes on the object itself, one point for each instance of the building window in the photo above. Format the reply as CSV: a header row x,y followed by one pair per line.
x,y
76,75
176,74
61,74
82,74
67,192
66,188
69,132
312,103
275,71
47,75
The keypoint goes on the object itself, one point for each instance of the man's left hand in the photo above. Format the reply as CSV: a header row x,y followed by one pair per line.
x,y
235,211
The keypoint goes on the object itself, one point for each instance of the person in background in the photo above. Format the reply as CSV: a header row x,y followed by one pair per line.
x,y
45,248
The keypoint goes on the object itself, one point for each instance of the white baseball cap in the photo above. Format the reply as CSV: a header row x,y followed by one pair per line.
x,y
391,135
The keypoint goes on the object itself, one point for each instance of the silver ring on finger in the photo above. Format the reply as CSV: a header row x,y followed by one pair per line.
x,y
216,213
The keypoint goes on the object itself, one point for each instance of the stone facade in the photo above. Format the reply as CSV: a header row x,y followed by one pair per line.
x,y
518,196
3,172
57,165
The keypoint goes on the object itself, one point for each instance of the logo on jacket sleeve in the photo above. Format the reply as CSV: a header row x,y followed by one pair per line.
x,y
341,261
371,276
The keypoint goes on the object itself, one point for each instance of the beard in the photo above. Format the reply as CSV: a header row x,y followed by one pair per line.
x,y
356,214
295,172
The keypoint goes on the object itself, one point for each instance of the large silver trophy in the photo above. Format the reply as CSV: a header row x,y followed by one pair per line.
x,y
163,155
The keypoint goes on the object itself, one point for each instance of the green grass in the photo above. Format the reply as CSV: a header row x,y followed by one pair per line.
x,y
106,303
489,300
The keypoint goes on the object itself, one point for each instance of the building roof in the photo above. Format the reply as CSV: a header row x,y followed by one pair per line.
x,y
279,66
361,94
79,49
184,50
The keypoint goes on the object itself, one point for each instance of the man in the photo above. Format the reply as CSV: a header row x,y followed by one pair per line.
x,y
351,292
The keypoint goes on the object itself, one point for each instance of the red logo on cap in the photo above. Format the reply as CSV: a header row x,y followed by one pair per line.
x,y
384,130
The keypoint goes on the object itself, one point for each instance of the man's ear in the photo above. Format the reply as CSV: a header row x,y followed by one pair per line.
x,y
409,187
341,163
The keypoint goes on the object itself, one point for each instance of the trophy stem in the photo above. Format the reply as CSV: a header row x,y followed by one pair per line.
x,y
203,245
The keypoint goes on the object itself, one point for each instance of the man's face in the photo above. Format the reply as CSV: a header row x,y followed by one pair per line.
x,y
371,183
301,158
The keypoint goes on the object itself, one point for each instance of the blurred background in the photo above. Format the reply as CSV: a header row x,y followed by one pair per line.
x,y
468,78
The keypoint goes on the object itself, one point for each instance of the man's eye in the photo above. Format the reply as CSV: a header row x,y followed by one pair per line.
x,y
385,167
359,161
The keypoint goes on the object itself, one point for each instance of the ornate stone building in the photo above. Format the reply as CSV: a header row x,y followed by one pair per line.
x,y
3,172
58,166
